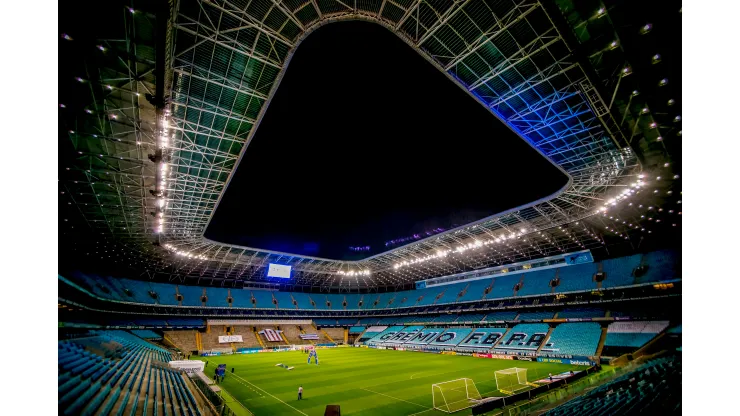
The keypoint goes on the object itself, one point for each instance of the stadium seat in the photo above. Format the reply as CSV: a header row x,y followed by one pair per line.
x,y
580,338
535,315
185,322
263,299
619,271
523,337
661,267
536,282
302,300
576,313
576,278
475,290
501,316
285,302
633,334
649,389
503,286
90,384
146,334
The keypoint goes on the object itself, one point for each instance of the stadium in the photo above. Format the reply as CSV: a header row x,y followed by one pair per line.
x,y
369,207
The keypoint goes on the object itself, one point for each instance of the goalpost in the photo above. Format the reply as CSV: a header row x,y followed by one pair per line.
x,y
511,380
455,395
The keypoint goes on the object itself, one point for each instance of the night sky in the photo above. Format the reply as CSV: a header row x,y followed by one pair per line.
x,y
366,142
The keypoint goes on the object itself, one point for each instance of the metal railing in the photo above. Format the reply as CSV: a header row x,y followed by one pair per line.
x,y
566,392
222,408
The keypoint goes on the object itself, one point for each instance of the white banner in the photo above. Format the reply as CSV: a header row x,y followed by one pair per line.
x,y
189,366
229,338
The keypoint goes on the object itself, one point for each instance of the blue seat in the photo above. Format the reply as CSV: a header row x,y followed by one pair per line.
x,y
74,392
535,315
633,334
580,338
581,313
83,398
475,290
191,295
527,337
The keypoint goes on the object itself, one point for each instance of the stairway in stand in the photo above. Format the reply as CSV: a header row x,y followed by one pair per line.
x,y
327,336
262,344
602,339
544,340
198,341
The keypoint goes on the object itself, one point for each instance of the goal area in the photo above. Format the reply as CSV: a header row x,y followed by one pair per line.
x,y
511,380
452,396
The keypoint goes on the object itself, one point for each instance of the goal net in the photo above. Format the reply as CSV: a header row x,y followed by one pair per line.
x,y
511,380
455,395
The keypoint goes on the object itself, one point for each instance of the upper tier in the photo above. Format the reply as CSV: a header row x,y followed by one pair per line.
x,y
619,272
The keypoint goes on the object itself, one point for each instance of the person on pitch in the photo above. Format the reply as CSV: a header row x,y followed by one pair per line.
x,y
300,392
312,353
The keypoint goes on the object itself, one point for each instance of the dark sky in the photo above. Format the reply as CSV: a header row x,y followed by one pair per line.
x,y
366,142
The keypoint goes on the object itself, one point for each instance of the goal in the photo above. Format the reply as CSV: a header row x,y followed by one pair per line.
x,y
455,395
511,380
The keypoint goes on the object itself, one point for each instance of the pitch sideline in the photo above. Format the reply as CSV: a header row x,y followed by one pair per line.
x,y
268,393
394,398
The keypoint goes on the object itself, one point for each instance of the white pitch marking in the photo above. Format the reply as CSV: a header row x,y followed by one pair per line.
x,y
423,411
395,398
268,393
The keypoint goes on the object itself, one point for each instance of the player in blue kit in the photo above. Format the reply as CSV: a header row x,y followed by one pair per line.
x,y
312,353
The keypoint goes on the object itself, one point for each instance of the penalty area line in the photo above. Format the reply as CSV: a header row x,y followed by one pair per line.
x,y
422,412
267,393
394,398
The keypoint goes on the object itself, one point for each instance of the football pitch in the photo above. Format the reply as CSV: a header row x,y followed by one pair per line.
x,y
362,381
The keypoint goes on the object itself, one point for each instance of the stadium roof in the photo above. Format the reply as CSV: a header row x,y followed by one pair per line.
x,y
158,102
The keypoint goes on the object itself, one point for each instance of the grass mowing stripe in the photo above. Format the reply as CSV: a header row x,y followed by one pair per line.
x,y
422,412
345,373
395,398
268,393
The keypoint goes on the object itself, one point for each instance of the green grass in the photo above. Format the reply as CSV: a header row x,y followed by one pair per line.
x,y
362,381
233,404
